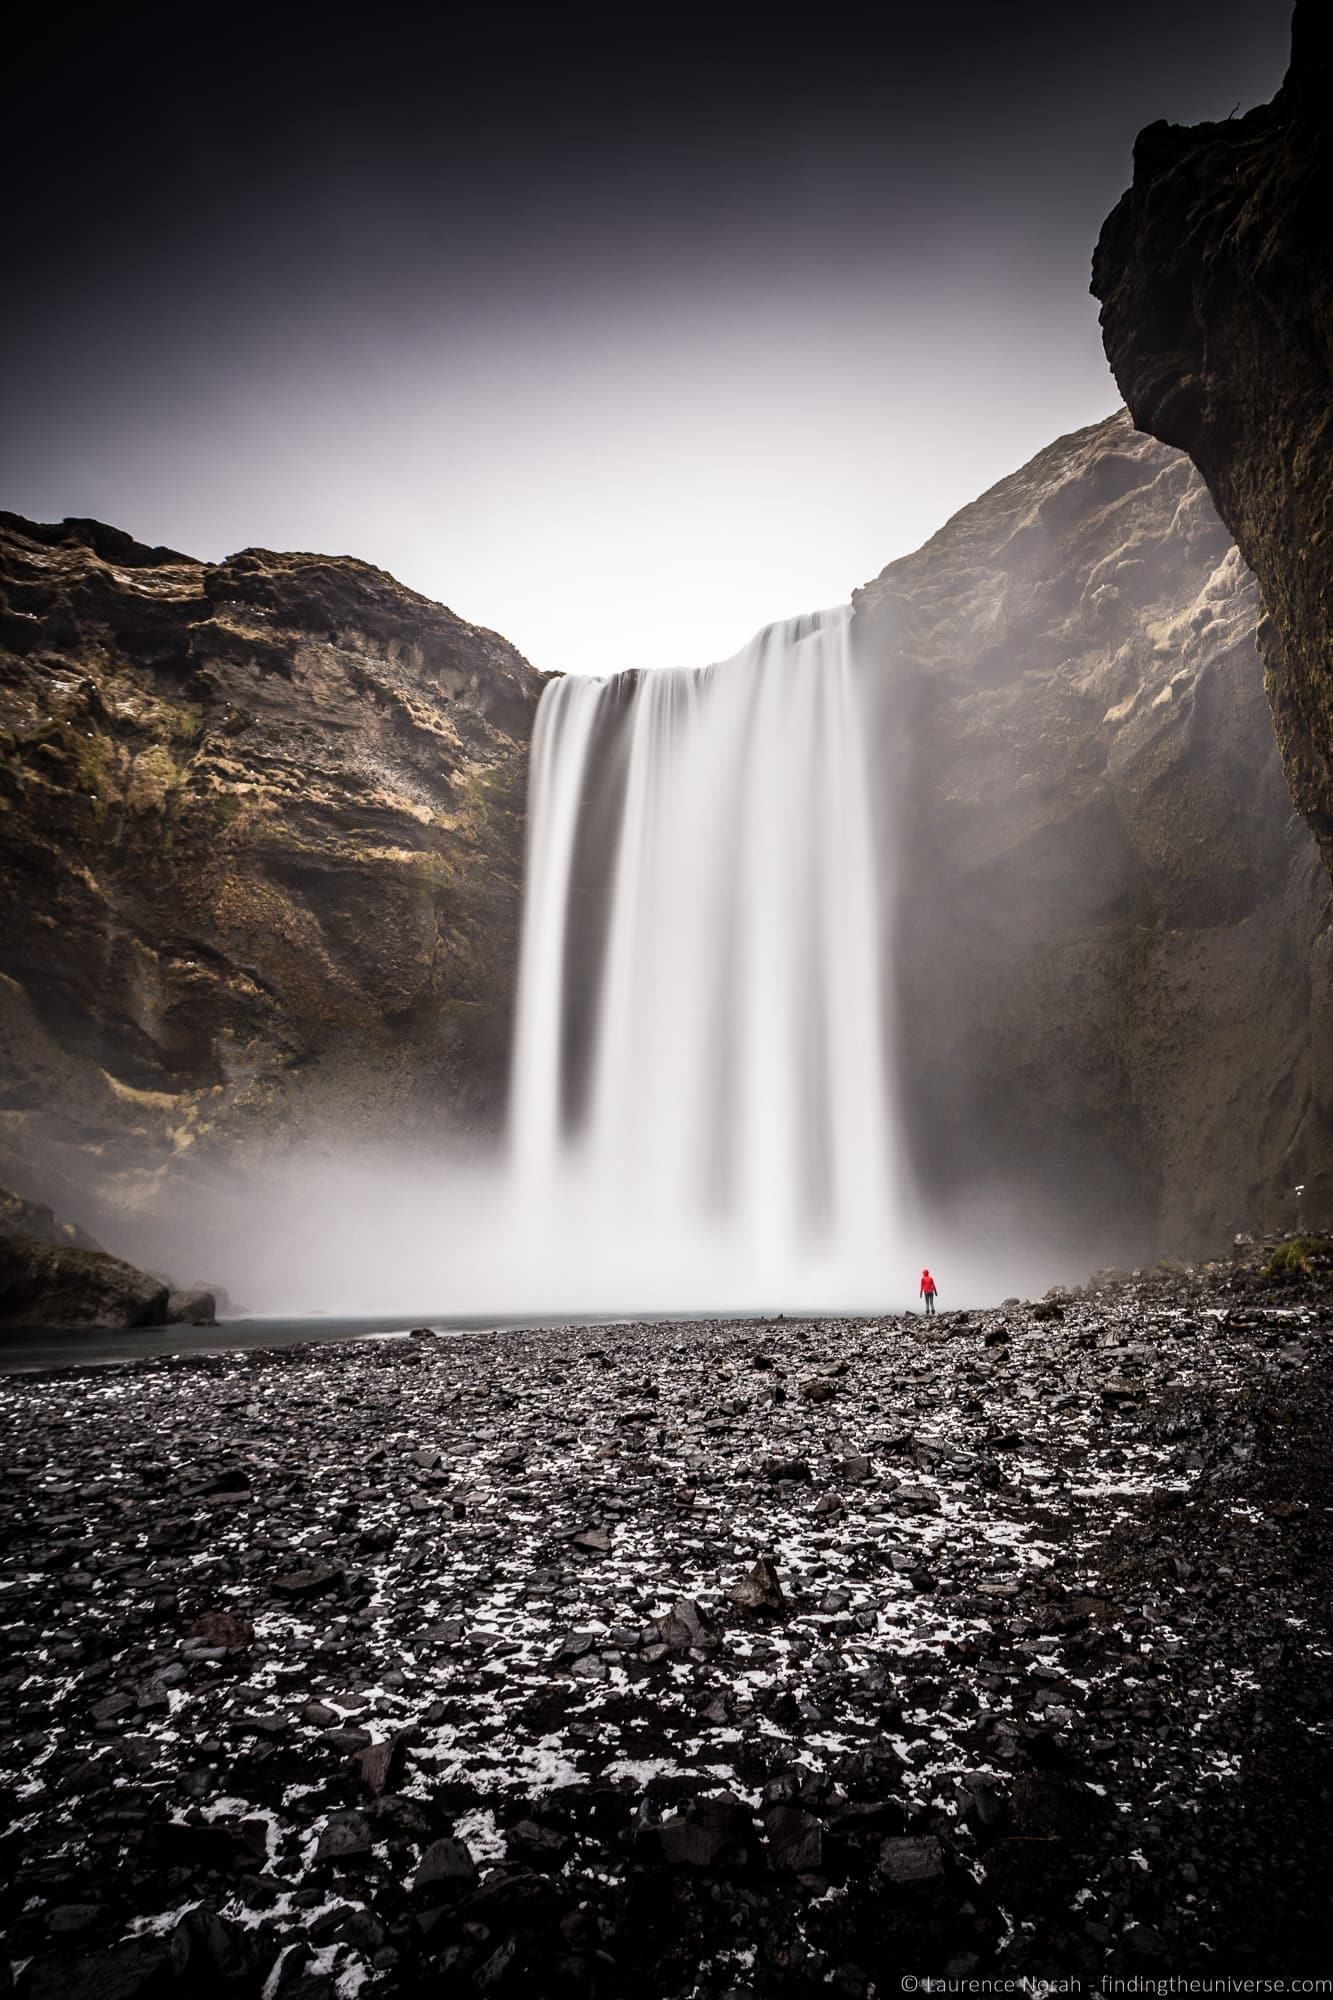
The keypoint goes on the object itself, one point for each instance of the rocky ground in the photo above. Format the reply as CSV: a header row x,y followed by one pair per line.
x,y
738,1659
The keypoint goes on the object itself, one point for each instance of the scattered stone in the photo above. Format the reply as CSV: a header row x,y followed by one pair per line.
x,y
818,1389
301,1586
778,1469
911,1861
346,1836
761,1590
795,1839
714,1833
445,1868
685,1625
977,1690
379,1764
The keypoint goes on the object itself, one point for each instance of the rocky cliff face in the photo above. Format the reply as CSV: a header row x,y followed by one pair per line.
x,y
260,857
1113,943
261,829
1215,274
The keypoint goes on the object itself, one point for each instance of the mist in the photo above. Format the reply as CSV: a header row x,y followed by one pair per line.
x,y
421,1236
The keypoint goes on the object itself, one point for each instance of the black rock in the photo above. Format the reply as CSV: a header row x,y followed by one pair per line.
x,y
211,1954
445,1868
761,1590
776,1469
795,1839
299,1586
137,1970
346,1837
542,1846
912,1861
684,1626
378,1764
713,1833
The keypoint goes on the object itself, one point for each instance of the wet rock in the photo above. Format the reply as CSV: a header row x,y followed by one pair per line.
x,y
1054,1698
713,1833
778,1469
795,1839
378,1765
113,1708
72,1919
302,1586
761,1590
539,1846
684,1626
209,1952
493,1971
137,1970
346,1837
233,1479
912,1861
446,1868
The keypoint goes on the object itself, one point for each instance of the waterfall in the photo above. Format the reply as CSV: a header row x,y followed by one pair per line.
x,y
701,1106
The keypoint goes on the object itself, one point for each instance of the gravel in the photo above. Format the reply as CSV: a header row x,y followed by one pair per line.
x,y
714,1659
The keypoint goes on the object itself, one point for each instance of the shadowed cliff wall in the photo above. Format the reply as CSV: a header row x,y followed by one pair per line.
x,y
1215,273
1113,946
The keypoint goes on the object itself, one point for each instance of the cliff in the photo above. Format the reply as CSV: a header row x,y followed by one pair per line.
x,y
1113,942
1215,273
260,857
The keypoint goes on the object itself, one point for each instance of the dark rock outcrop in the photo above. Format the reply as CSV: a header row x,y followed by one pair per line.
x,y
46,1284
35,1219
1215,273
195,1307
52,1274
1113,943
260,857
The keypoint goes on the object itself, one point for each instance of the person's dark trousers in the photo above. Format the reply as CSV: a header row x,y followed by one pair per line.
x,y
930,1304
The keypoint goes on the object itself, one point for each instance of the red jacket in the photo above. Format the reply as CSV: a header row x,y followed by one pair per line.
x,y
928,1286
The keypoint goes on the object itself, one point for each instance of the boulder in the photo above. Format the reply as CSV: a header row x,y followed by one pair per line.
x,y
761,1590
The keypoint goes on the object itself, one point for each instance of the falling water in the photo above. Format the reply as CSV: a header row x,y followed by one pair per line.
x,y
701,1111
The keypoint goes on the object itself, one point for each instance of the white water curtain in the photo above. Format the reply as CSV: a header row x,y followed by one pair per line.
x,y
701,1100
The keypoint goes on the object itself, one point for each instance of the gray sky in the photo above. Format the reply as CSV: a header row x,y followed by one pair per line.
x,y
623,345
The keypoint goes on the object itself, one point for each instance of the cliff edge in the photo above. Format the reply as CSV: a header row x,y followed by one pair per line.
x,y
1113,950
260,857
1215,273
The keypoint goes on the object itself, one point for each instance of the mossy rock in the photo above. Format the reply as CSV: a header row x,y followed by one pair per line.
x,y
1300,1257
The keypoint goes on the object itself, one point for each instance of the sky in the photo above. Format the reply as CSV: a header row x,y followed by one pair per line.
x,y
623,340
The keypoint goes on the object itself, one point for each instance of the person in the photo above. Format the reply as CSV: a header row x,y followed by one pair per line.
x,y
928,1290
